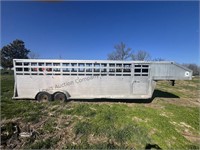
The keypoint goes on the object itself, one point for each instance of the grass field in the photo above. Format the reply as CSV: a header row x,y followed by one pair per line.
x,y
169,121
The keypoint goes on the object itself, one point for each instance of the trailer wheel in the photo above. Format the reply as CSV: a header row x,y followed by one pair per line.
x,y
44,97
60,96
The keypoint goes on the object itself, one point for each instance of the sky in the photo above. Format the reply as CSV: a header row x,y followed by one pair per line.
x,y
90,29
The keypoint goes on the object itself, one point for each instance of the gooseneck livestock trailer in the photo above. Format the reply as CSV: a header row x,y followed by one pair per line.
x,y
44,79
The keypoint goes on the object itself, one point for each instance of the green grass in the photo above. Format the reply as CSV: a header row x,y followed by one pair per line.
x,y
82,110
45,144
117,123
49,125
184,89
109,125
187,115
86,145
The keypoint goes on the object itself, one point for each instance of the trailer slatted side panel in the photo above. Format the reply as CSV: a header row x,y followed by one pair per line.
x,y
93,78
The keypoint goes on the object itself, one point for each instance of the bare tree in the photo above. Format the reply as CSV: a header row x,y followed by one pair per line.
x,y
158,59
195,68
120,53
33,55
141,55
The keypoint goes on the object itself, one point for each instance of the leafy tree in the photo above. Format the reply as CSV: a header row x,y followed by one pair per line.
x,y
120,53
141,55
15,50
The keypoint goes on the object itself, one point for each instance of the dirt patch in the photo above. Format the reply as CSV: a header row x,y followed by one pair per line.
x,y
183,124
155,105
192,102
139,119
153,131
17,134
185,130
166,114
66,136
97,139
192,138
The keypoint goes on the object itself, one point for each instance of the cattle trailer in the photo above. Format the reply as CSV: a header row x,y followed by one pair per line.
x,y
45,79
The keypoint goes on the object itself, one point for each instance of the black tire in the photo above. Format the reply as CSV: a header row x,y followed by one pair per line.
x,y
44,97
60,96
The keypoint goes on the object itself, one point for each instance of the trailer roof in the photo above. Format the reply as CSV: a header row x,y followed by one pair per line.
x,y
90,61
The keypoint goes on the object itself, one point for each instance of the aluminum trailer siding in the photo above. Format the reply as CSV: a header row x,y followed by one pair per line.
x,y
88,79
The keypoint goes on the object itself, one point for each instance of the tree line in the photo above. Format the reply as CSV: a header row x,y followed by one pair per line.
x,y
17,50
